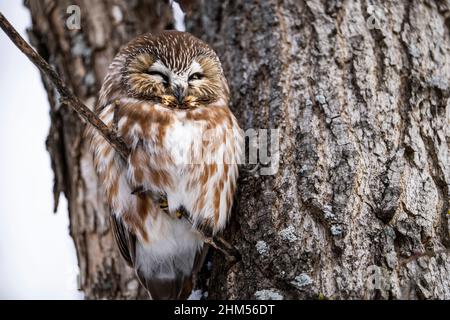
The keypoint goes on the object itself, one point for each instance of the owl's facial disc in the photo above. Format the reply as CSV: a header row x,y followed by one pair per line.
x,y
173,69
194,82
179,84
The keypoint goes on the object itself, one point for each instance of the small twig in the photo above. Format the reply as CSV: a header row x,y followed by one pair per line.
x,y
225,247
231,253
88,115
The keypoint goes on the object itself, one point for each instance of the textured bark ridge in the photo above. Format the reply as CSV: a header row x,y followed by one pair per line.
x,y
360,91
81,57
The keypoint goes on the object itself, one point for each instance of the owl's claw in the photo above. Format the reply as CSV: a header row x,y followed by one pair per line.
x,y
163,204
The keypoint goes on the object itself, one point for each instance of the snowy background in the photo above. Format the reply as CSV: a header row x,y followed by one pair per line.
x,y
37,255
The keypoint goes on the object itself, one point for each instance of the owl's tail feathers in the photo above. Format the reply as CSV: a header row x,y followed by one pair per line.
x,y
177,287
168,289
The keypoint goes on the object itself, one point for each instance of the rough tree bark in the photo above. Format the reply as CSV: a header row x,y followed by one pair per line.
x,y
362,189
360,92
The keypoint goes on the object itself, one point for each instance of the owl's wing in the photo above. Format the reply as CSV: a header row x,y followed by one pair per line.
x,y
126,241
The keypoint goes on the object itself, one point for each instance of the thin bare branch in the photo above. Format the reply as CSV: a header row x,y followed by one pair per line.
x,y
87,114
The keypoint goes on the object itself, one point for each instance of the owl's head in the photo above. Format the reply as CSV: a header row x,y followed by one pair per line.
x,y
173,68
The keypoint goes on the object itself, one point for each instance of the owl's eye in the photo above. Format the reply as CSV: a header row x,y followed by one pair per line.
x,y
159,74
195,76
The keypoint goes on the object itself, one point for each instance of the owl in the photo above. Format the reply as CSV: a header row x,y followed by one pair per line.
x,y
166,96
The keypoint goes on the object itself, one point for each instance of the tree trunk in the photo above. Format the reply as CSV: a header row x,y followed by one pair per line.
x,y
360,93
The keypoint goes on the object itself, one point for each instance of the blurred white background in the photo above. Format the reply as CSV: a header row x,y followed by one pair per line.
x,y
37,255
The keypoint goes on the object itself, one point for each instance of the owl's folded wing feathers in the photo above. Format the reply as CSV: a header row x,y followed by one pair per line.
x,y
126,241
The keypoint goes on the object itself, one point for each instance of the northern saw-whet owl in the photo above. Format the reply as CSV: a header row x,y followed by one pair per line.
x,y
167,97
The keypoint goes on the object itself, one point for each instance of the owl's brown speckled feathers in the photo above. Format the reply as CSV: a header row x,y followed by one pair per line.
x,y
167,97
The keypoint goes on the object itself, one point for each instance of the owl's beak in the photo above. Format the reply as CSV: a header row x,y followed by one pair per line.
x,y
179,94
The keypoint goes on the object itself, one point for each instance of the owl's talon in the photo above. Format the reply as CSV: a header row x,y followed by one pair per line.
x,y
163,204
